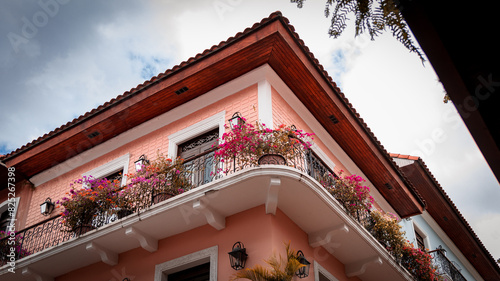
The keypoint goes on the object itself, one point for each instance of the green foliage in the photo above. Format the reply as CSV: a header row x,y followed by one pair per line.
x,y
281,270
388,232
371,16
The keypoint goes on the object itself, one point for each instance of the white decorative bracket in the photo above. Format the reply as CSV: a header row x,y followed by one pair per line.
x,y
107,256
323,237
36,275
214,219
147,242
358,268
272,196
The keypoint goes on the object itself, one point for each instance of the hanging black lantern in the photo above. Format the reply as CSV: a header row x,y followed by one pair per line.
x,y
303,272
47,207
238,256
236,121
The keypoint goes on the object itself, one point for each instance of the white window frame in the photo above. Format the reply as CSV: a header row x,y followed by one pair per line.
x,y
194,259
4,207
120,163
318,269
215,121
417,228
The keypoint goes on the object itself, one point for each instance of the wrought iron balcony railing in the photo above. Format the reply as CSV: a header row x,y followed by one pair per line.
x,y
201,169
445,266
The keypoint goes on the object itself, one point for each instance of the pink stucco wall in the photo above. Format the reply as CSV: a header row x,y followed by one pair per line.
x,y
244,101
263,235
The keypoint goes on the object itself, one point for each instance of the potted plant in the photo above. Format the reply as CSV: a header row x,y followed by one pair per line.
x,y
251,145
160,180
281,270
89,205
286,142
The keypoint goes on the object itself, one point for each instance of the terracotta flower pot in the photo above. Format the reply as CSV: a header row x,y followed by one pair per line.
x,y
123,213
82,229
274,159
161,196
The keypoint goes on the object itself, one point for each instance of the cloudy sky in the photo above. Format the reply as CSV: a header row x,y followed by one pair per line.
x,y
61,58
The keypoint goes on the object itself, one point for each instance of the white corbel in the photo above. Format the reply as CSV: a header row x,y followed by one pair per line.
x,y
359,267
147,242
36,275
272,196
323,237
215,219
107,256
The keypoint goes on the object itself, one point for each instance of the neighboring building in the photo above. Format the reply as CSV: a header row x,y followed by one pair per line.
x,y
442,229
265,73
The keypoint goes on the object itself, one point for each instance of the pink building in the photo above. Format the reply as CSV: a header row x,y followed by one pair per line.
x,y
265,74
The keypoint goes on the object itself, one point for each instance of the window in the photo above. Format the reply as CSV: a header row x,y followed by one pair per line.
x,y
195,140
197,273
198,266
199,155
420,241
112,169
421,238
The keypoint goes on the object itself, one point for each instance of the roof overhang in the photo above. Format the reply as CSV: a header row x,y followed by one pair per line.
x,y
271,42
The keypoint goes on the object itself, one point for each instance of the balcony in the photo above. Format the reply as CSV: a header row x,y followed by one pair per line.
x,y
445,267
237,188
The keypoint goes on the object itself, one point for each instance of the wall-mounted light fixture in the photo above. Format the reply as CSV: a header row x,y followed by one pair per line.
x,y
47,207
236,121
303,272
139,163
238,256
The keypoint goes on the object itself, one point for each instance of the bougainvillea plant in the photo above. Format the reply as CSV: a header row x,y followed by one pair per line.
x,y
418,263
162,175
89,202
350,192
246,143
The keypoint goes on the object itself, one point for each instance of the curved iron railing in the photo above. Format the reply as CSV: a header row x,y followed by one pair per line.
x,y
445,266
200,170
